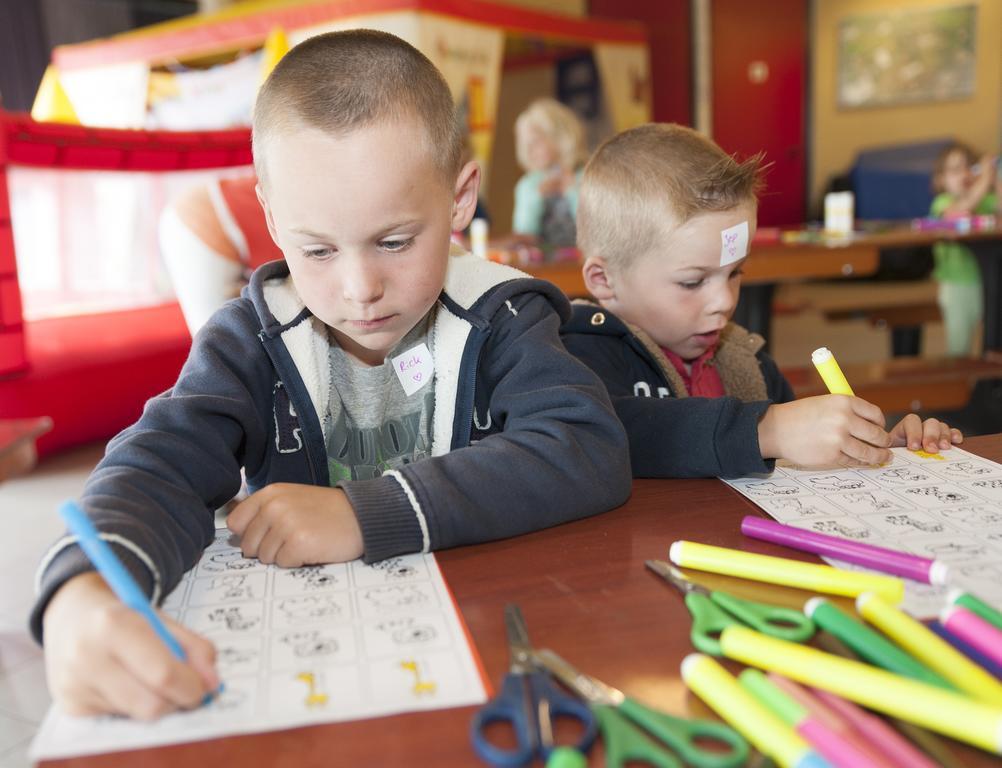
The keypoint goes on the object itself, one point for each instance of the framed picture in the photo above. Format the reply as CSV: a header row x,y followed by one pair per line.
x,y
906,56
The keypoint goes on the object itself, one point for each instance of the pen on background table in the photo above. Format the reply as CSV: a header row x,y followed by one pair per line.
x,y
941,657
840,752
830,372
869,644
952,714
781,570
923,569
765,730
118,578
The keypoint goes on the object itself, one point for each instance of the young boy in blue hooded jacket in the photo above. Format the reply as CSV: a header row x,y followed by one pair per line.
x,y
382,395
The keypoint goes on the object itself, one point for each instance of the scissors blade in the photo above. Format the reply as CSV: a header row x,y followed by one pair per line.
x,y
674,576
519,647
585,686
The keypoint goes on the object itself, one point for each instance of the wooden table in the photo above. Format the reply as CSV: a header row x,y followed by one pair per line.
x,y
584,592
777,262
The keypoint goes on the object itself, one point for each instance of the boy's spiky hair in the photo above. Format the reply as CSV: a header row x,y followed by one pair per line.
x,y
341,81
649,180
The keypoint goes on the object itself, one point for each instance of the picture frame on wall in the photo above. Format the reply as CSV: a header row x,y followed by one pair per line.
x,y
907,56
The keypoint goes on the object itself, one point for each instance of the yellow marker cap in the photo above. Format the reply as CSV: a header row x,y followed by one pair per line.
x,y
781,570
926,646
946,712
832,375
722,692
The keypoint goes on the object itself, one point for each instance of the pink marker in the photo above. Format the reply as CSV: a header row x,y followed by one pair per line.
x,y
877,733
879,558
973,630
868,754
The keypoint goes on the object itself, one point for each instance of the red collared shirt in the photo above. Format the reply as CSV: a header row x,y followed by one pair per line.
x,y
702,379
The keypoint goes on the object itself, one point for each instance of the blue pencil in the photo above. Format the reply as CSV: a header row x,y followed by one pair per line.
x,y
965,648
116,576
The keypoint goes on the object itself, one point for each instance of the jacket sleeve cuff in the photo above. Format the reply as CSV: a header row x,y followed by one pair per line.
x,y
71,561
740,454
389,515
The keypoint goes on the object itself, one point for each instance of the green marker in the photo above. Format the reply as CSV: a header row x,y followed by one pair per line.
x,y
762,688
869,644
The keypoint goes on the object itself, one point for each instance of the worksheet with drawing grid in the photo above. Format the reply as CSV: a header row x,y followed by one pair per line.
x,y
947,508
316,644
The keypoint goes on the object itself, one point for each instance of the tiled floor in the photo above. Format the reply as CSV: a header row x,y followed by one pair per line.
x,y
29,525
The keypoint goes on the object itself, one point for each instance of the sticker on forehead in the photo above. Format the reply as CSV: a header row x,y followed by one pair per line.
x,y
733,243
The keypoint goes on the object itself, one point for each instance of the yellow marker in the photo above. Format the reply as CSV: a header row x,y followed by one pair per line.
x,y
947,712
930,649
313,699
926,455
718,688
780,570
832,375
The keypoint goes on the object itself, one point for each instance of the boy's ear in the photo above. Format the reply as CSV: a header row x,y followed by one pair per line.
x,y
267,214
464,200
597,279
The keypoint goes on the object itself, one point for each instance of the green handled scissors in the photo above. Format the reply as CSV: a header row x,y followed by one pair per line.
x,y
633,732
713,612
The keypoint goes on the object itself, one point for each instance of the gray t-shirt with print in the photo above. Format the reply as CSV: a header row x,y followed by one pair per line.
x,y
372,424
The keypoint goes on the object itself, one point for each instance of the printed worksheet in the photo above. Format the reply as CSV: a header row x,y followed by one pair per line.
x,y
945,506
317,644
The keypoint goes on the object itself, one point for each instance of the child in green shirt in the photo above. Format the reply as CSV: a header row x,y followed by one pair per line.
x,y
963,186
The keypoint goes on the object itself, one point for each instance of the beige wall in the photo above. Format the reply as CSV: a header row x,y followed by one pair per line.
x,y
838,134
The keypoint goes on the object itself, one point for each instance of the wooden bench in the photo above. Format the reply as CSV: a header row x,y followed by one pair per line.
x,y
906,384
903,320
902,307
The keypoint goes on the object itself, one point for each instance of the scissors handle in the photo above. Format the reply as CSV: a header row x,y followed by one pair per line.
x,y
708,621
509,706
774,620
624,743
563,706
682,735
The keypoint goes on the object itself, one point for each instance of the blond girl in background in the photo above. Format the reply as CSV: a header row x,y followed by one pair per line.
x,y
550,146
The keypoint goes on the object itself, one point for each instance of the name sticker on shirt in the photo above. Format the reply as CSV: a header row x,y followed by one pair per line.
x,y
733,243
414,368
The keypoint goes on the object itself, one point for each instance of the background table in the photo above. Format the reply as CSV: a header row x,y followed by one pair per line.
x,y
773,263
585,593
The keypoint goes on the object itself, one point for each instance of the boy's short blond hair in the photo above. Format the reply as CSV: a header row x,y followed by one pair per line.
x,y
647,181
339,82
559,124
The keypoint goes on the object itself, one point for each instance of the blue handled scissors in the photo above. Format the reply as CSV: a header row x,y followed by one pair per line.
x,y
712,612
530,703
635,733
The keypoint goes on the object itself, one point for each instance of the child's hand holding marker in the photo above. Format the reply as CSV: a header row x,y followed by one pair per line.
x,y
841,429
129,670
825,431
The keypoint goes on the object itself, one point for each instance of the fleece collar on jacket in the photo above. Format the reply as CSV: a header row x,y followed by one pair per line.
x,y
736,357
461,306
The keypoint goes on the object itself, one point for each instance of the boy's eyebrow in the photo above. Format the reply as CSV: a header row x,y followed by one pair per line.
x,y
379,233
703,270
308,233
